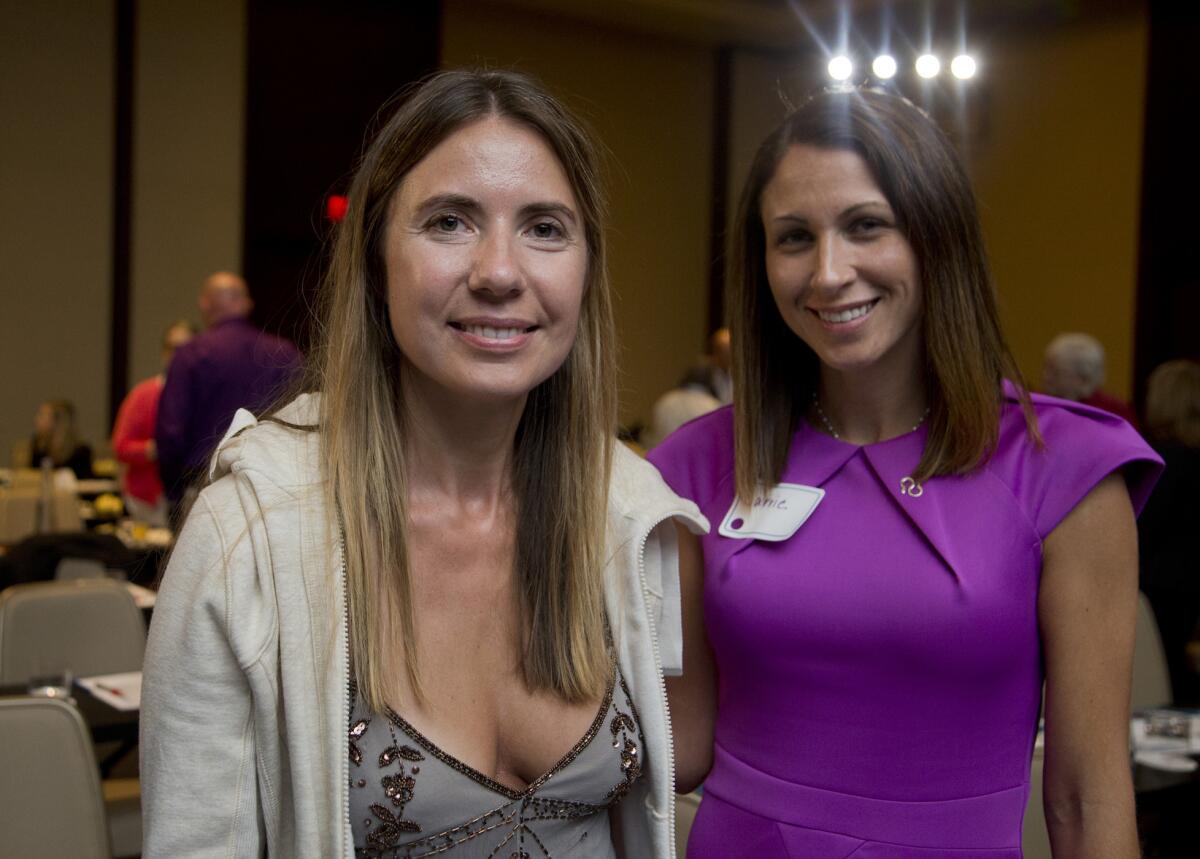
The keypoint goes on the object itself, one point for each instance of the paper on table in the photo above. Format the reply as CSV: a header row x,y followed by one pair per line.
x,y
1144,741
120,691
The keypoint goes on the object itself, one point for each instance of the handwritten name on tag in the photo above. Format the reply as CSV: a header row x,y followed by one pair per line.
x,y
774,515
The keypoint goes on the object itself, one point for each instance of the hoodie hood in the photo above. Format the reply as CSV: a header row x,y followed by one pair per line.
x,y
285,448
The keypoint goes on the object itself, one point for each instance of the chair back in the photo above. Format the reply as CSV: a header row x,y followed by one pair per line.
x,y
686,806
1035,839
1151,680
71,569
87,627
50,799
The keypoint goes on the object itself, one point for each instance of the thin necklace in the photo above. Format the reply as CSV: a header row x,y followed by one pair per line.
x,y
829,425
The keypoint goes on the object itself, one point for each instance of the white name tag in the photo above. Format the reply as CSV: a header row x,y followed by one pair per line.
x,y
776,514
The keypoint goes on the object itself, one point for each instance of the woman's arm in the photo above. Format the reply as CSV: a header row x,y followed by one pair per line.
x,y
692,695
199,781
1087,609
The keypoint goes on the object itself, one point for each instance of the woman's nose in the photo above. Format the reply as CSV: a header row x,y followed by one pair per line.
x,y
834,268
496,268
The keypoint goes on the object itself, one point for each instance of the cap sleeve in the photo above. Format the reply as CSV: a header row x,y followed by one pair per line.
x,y
1082,447
694,459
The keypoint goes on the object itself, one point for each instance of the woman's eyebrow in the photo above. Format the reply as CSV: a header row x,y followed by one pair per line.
x,y
549,207
470,204
844,213
457,201
866,204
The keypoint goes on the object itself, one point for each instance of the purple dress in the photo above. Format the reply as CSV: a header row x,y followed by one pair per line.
x,y
880,670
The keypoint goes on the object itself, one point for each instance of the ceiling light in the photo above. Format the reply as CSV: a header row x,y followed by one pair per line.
x,y
928,66
840,68
884,67
963,67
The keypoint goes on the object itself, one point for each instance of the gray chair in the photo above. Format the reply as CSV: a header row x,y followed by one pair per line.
x,y
50,798
70,569
86,627
1151,680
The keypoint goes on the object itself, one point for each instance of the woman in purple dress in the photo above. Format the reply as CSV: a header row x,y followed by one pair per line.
x,y
905,543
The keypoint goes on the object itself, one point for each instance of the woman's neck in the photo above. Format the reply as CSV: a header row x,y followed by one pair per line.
x,y
459,449
868,407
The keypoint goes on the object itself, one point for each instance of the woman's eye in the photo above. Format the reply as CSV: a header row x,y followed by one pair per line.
x,y
447,223
866,225
546,230
792,238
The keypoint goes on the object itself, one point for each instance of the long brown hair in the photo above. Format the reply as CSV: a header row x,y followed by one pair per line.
x,y
562,455
60,442
966,357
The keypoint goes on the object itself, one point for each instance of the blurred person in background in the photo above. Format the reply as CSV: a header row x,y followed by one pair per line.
x,y
56,439
426,610
907,543
1169,527
691,398
228,366
705,386
133,436
1073,369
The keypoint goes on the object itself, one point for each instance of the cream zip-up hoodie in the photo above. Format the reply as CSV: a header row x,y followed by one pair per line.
x,y
245,701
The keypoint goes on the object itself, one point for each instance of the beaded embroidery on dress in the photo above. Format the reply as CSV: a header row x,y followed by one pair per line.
x,y
409,799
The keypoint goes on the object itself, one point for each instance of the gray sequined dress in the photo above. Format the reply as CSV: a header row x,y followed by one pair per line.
x,y
408,798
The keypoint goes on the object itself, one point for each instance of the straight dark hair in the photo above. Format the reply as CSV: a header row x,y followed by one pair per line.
x,y
966,357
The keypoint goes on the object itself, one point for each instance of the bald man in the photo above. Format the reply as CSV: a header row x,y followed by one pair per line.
x,y
1073,369
231,365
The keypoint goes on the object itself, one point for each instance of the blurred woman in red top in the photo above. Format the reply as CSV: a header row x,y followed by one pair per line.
x,y
133,436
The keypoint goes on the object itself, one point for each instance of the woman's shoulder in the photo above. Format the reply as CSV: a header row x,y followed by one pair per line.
x,y
1079,447
639,493
280,448
1068,430
698,456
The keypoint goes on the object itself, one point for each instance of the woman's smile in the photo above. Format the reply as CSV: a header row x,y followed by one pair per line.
x,y
843,318
495,335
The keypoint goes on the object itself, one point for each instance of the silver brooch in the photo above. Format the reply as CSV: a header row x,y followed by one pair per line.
x,y
910,487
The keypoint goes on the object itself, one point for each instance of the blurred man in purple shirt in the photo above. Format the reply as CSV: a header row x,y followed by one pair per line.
x,y
229,366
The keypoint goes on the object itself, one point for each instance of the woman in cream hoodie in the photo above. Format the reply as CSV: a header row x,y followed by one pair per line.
x,y
428,609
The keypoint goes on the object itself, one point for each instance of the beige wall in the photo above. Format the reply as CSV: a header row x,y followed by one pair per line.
x,y
56,158
760,83
650,101
1057,168
56,154
1057,171
1059,182
188,145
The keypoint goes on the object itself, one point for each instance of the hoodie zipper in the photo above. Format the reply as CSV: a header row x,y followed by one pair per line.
x,y
662,682
345,758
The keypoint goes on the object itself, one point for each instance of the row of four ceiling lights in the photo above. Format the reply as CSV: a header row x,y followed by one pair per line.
x,y
884,67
